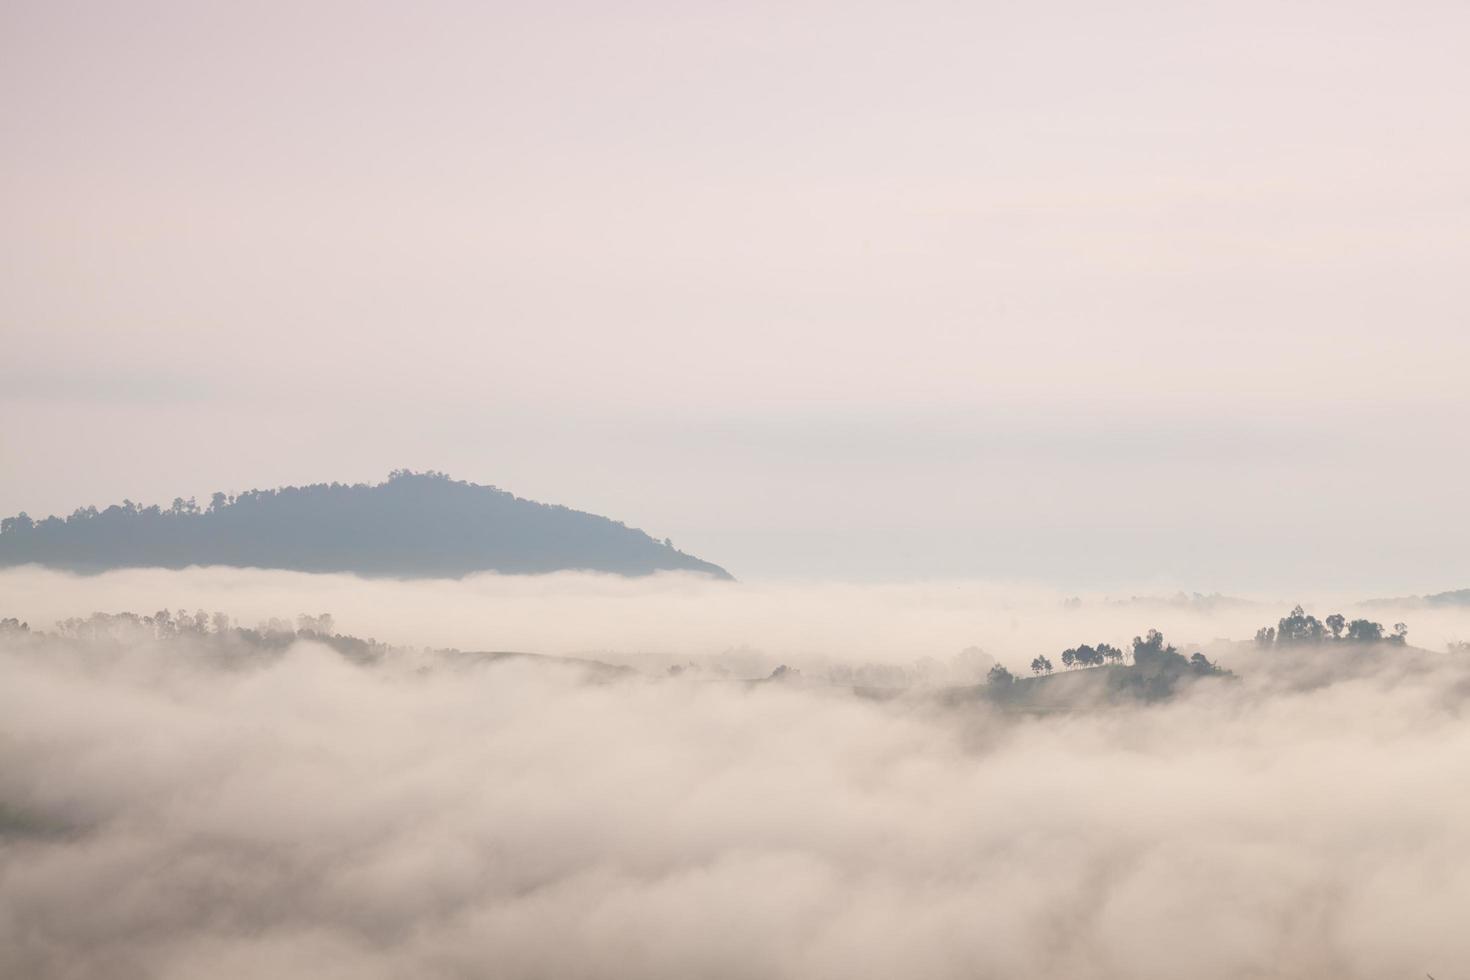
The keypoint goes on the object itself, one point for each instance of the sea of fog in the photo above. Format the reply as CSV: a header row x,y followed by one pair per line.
x,y
668,619
167,814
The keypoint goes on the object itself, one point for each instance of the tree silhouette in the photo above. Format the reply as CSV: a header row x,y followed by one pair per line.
x,y
1298,627
999,676
1365,631
1203,664
1152,652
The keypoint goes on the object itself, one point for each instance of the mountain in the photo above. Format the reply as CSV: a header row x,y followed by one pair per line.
x,y
1459,597
416,525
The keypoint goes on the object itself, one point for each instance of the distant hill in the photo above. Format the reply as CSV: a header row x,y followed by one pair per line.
x,y
1459,597
416,525
1194,601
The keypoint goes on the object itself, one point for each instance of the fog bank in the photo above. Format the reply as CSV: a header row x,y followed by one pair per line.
x,y
661,620
165,817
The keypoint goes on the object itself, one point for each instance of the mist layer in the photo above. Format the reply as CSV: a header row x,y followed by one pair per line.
x,y
169,815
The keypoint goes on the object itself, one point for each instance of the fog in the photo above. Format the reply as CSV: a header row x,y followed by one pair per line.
x,y
661,620
164,813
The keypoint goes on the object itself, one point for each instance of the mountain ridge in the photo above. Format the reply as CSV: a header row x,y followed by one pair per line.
x,y
413,525
1454,597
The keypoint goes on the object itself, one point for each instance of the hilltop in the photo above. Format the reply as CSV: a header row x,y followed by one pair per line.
x,y
414,525
1458,597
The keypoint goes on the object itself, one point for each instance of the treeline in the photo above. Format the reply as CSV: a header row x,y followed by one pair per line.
x,y
1297,628
1149,653
1080,656
1151,670
412,525
206,632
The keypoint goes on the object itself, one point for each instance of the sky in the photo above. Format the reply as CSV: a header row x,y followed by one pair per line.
x,y
1088,295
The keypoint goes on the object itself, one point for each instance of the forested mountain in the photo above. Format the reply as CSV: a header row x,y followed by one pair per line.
x,y
413,525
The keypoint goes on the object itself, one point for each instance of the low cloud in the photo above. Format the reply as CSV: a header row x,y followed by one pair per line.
x,y
669,619
164,814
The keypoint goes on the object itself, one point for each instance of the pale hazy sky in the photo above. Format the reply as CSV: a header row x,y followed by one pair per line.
x,y
1093,294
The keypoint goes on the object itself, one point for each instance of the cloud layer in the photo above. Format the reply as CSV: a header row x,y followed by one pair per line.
x,y
166,816
661,620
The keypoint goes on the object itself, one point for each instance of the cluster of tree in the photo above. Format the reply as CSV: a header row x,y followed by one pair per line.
x,y
213,633
1299,628
1080,656
1152,653
162,625
1149,653
414,524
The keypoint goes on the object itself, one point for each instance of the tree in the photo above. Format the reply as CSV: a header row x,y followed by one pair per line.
x,y
1110,653
322,624
1069,659
197,623
999,676
1146,651
1335,623
1041,665
20,522
1365,631
1298,627
1400,634
1265,636
162,623
1153,652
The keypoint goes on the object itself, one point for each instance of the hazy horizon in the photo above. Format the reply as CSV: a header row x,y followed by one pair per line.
x,y
671,618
